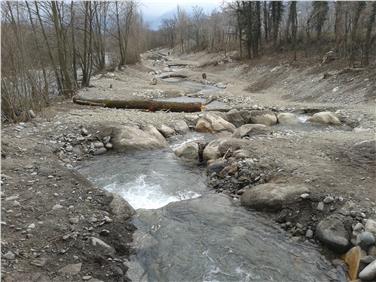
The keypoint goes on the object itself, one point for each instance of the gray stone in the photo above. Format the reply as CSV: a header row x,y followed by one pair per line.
x,y
106,139
57,207
325,118
107,249
235,117
262,117
287,119
251,129
213,123
74,220
181,127
120,207
331,232
108,146
9,256
71,269
369,272
98,145
328,200
39,262
166,131
304,196
100,151
272,196
309,234
130,138
367,259
188,151
371,226
358,227
320,206
84,131
365,240
211,151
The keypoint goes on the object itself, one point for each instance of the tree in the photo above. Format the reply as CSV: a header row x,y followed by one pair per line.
x,y
319,16
369,40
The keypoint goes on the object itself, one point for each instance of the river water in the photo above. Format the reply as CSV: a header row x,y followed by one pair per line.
x,y
187,233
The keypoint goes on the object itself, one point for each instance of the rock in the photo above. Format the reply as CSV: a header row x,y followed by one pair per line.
x,y
365,240
166,131
272,196
331,232
304,196
84,131
31,226
328,200
211,151
188,151
287,119
130,138
262,117
352,259
251,129
232,144
235,117
98,243
71,269
57,207
328,57
213,123
324,118
371,226
320,206
106,139
216,166
181,127
32,114
358,227
367,259
100,151
120,207
108,146
39,262
309,234
372,251
98,144
74,220
369,272
86,277
9,256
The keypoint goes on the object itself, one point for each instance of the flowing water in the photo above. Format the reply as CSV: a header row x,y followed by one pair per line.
x,y
187,233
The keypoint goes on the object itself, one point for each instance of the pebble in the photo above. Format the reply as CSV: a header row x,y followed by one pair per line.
x,y
100,151
365,240
84,131
358,227
87,277
309,234
320,206
12,198
9,256
98,144
31,226
74,220
39,262
109,146
57,207
106,139
304,196
328,200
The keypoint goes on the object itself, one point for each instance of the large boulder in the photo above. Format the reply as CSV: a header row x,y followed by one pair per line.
x,y
369,272
235,117
262,117
120,207
166,131
251,129
188,151
213,123
332,232
181,127
211,151
130,138
325,118
287,118
272,196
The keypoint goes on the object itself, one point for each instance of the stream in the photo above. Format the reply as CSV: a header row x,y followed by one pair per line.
x,y
185,232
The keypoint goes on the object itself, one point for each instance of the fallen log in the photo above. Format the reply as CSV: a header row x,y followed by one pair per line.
x,y
173,75
146,104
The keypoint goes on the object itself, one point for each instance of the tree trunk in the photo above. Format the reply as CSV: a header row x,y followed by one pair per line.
x,y
150,105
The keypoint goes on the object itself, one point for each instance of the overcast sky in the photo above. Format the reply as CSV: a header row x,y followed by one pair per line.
x,y
152,9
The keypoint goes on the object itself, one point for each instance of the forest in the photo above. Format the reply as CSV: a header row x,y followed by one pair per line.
x,y
55,47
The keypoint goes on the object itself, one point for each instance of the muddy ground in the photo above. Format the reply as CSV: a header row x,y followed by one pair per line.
x,y
50,214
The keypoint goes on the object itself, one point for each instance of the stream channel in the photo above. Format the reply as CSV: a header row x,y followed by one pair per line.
x,y
185,232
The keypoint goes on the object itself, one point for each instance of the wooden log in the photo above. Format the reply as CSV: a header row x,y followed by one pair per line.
x,y
173,75
151,105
